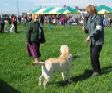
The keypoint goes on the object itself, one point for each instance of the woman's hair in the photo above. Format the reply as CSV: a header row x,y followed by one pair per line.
x,y
91,9
34,16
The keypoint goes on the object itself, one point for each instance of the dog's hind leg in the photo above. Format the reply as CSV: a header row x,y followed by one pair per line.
x,y
46,76
41,78
62,74
46,81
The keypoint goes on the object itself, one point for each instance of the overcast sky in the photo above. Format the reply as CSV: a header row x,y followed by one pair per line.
x,y
10,6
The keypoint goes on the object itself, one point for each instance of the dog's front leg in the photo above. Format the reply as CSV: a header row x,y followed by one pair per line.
x,y
68,76
63,77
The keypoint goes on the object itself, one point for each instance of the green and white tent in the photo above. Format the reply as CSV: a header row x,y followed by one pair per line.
x,y
55,10
67,10
102,9
37,9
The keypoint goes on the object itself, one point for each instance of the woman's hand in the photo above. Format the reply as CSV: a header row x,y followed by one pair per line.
x,y
87,39
28,43
83,28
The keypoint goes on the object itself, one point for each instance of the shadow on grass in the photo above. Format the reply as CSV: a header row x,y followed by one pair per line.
x,y
75,79
76,56
84,76
106,70
5,88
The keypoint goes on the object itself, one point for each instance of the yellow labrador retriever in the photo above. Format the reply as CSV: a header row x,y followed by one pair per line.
x,y
62,64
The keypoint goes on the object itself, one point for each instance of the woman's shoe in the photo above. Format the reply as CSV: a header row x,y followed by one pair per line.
x,y
96,74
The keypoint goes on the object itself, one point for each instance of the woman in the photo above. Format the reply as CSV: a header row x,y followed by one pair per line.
x,y
6,26
33,40
2,25
95,37
12,29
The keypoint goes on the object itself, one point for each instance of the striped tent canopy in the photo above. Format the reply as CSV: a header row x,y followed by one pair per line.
x,y
102,9
55,10
37,9
67,10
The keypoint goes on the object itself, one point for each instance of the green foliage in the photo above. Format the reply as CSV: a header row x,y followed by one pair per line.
x,y
17,75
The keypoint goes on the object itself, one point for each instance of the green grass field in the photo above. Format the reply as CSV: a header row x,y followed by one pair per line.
x,y
17,75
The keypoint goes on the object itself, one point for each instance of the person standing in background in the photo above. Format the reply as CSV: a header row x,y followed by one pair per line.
x,y
6,26
2,24
12,29
15,24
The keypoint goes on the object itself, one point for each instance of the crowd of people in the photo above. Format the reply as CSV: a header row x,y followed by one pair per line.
x,y
60,19
8,24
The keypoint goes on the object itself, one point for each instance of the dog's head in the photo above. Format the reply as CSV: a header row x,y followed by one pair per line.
x,y
64,49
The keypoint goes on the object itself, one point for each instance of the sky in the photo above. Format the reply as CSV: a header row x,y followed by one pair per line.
x,y
10,6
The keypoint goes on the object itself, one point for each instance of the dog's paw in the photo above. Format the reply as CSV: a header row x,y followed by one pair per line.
x,y
70,81
39,84
44,87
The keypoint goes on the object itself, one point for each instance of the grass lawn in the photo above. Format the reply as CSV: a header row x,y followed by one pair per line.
x,y
17,75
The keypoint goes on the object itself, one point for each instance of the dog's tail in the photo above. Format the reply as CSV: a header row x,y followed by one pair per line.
x,y
39,63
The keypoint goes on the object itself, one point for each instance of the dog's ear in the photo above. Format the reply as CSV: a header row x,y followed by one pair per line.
x,y
60,52
68,49
70,56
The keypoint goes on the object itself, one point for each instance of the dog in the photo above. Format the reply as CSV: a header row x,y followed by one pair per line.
x,y
62,64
